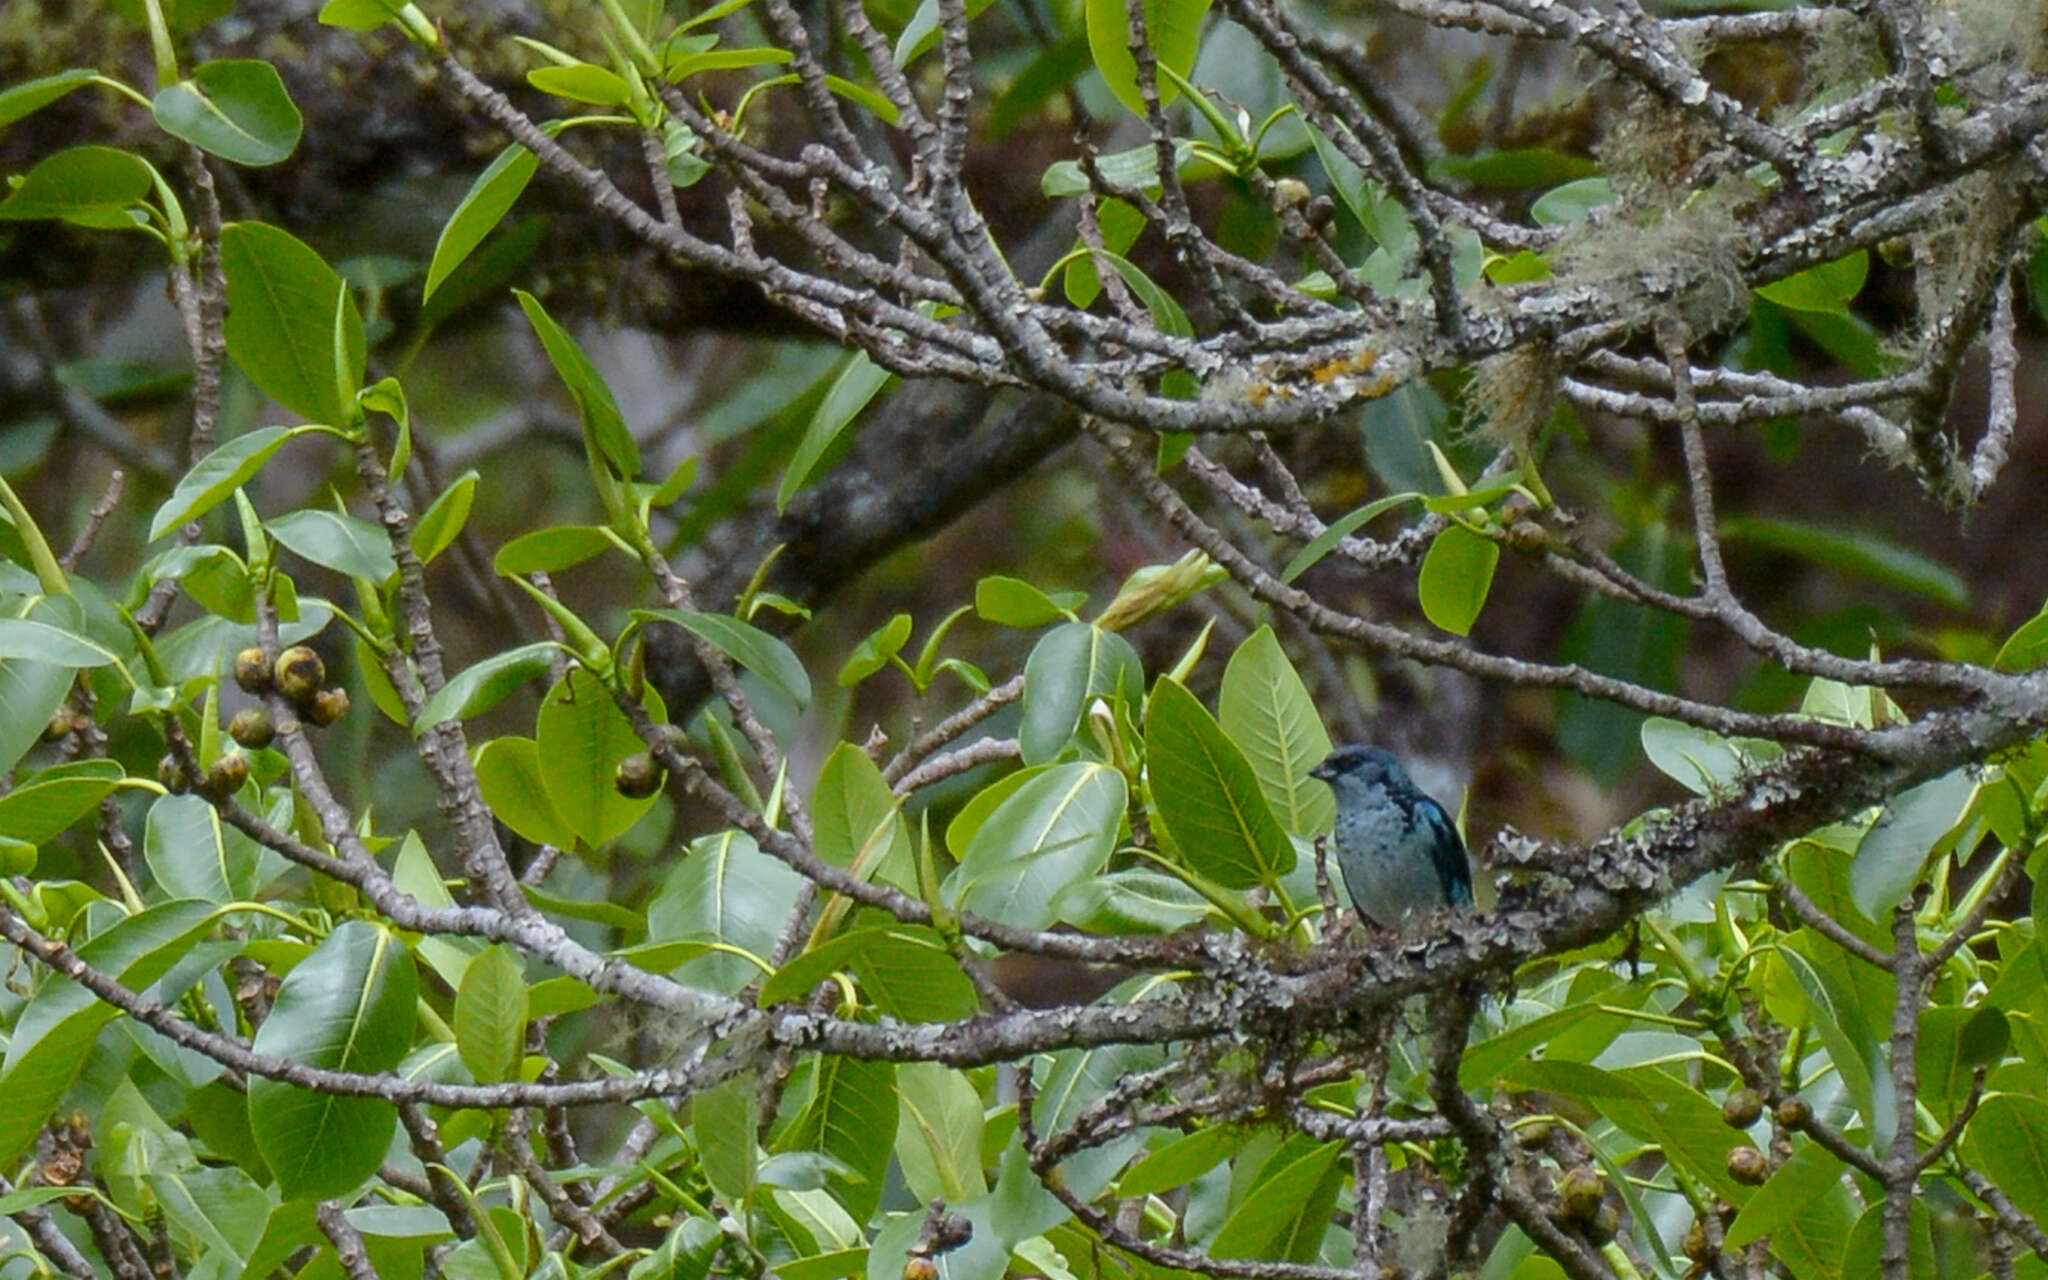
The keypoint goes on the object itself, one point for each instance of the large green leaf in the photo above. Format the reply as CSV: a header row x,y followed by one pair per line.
x,y
1265,709
1207,794
722,1122
1285,1215
2007,1141
855,815
857,384
236,109
479,688
490,1014
552,550
509,775
218,474
849,1113
938,1132
55,1032
724,890
93,186
907,972
582,735
31,96
52,800
193,854
1071,664
351,547
1172,27
746,644
604,426
488,200
289,317
1050,832
348,1006
1850,551
1891,856
1457,574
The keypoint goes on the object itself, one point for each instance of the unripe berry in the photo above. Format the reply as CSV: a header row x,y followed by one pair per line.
x,y
1747,1166
1580,1194
252,728
638,776
1741,1107
327,706
252,671
920,1268
225,776
1793,1112
299,674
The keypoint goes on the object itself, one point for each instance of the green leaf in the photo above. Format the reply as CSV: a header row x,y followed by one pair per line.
x,y
486,203
236,109
1133,900
490,1015
193,854
1698,759
906,971
1456,574
508,773
485,685
938,1132
603,426
360,15
855,816
1326,541
31,96
857,384
1174,30
584,82
1284,1216
552,550
2008,1142
582,735
42,806
55,1032
88,185
1829,287
1861,554
722,1121
873,653
725,890
1071,664
283,304
684,63
1180,1162
1572,202
1207,795
217,475
351,547
348,1006
746,644
30,693
1049,833
25,638
849,1113
1893,853
1266,710
440,524
1012,602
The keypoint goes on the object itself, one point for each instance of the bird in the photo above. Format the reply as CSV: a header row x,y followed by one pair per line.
x,y
1399,851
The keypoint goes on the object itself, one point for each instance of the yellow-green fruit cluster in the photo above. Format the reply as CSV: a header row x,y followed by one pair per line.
x,y
299,675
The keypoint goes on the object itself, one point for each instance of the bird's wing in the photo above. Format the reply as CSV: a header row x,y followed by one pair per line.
x,y
1447,850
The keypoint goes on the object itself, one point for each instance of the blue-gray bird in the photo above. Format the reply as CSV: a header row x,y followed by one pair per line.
x,y
1401,855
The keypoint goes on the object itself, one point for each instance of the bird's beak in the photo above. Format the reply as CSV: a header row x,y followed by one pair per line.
x,y
1323,772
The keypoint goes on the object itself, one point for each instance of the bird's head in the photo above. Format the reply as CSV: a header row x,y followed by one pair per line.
x,y
1360,766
